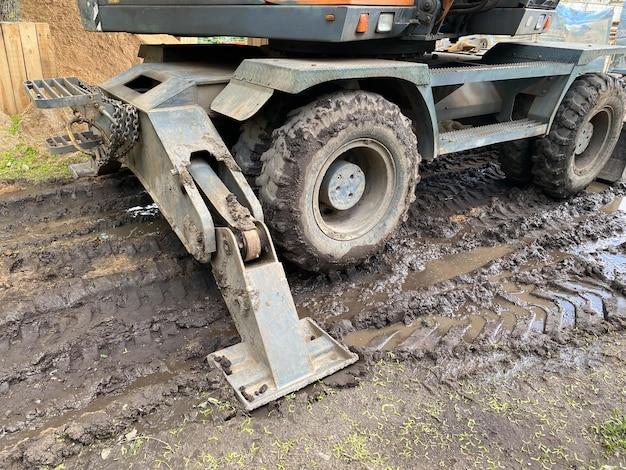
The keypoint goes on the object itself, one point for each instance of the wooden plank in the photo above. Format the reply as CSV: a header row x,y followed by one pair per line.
x,y
46,50
157,39
257,42
17,69
30,48
7,100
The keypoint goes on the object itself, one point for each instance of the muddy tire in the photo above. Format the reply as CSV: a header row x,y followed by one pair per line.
x,y
364,142
583,135
256,137
516,161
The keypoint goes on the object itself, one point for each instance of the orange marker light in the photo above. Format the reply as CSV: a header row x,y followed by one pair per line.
x,y
547,23
330,17
361,26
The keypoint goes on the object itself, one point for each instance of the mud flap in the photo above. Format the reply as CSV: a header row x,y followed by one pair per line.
x,y
279,353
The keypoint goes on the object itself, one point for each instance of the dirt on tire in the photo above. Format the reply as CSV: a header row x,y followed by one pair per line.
x,y
303,150
586,128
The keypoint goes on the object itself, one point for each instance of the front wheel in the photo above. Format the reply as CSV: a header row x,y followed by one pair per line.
x,y
338,179
584,133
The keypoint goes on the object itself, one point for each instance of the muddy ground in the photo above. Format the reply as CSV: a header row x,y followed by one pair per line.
x,y
491,331
491,328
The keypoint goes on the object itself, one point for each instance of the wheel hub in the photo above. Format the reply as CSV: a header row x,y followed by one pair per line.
x,y
343,185
584,138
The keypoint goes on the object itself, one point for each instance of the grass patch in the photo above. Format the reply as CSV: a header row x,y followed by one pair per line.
x,y
15,125
613,432
26,163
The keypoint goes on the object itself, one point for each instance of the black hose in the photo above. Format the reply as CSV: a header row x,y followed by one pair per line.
x,y
474,7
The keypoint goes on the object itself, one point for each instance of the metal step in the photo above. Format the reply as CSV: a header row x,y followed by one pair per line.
x,y
475,137
63,144
58,92
480,72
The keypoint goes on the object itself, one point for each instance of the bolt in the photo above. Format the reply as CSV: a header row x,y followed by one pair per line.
x,y
226,247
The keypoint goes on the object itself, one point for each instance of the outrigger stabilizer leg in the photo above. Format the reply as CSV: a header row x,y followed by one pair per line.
x,y
279,353
181,160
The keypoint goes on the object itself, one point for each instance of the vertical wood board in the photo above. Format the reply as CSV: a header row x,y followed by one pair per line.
x,y
26,53
46,50
30,48
17,68
7,100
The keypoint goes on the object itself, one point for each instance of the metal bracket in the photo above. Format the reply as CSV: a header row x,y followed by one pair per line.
x,y
279,353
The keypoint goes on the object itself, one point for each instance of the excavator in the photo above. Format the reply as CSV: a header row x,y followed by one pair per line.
x,y
310,145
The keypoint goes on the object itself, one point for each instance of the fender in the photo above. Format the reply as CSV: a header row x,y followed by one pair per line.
x,y
255,80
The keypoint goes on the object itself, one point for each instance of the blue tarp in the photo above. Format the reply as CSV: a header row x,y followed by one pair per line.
x,y
570,25
620,39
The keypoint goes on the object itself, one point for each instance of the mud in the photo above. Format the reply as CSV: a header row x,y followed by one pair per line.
x,y
106,320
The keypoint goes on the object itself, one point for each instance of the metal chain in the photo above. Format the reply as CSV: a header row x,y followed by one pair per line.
x,y
124,130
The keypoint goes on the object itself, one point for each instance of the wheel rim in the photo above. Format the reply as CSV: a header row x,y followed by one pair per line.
x,y
591,139
368,162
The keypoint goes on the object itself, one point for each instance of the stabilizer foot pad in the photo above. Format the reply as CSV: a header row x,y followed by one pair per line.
x,y
253,382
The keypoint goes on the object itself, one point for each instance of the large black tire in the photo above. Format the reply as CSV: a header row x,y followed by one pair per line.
x,y
358,137
516,161
256,137
583,135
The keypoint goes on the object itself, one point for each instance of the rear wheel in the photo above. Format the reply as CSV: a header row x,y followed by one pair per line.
x,y
516,161
584,133
256,137
338,178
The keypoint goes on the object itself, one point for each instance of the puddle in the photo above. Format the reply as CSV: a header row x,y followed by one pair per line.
x,y
154,227
606,250
596,187
454,265
568,310
397,331
618,205
390,337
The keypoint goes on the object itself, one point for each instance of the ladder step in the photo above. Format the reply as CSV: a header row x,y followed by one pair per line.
x,y
475,137
480,72
58,92
63,143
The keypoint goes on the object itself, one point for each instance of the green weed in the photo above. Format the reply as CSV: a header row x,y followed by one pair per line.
x,y
15,125
613,432
27,163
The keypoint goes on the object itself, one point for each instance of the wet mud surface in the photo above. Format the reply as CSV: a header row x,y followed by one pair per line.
x,y
106,320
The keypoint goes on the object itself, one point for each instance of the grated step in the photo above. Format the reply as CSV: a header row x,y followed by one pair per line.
x,y
480,72
58,92
63,144
481,136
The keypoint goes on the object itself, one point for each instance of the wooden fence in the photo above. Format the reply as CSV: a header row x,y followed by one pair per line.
x,y
26,53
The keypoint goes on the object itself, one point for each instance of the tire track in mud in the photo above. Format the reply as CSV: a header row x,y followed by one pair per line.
x,y
105,315
97,292
500,265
